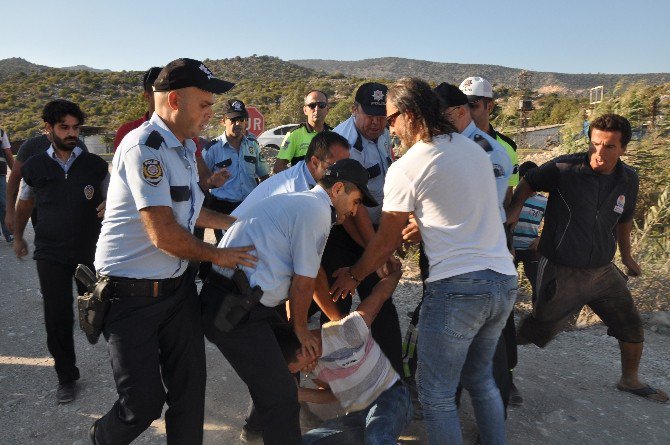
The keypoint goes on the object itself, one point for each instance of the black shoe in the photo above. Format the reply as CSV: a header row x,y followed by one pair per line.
x,y
91,432
65,392
251,436
9,237
515,398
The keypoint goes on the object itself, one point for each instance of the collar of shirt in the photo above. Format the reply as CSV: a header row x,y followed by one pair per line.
x,y
169,137
470,130
308,175
65,165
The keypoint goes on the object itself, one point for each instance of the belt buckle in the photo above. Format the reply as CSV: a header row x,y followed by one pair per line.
x,y
154,288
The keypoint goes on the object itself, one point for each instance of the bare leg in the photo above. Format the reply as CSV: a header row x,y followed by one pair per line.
x,y
631,353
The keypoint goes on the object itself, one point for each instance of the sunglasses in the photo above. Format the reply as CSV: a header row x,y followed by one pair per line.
x,y
313,105
391,119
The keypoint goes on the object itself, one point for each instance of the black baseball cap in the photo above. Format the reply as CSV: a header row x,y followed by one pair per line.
x,y
450,95
351,170
372,97
150,77
235,108
182,73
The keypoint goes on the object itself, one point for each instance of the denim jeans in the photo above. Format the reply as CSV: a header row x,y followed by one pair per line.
x,y
3,193
380,424
459,326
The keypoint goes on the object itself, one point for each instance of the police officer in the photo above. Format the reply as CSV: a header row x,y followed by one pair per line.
x,y
370,143
294,146
238,158
289,252
68,185
153,326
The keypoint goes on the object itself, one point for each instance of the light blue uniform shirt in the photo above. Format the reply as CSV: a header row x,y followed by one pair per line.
x,y
374,156
294,179
285,243
244,166
502,165
162,173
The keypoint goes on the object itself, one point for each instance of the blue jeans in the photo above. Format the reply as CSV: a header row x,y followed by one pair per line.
x,y
380,424
459,326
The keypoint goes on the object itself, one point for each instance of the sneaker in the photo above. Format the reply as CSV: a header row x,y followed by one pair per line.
x,y
65,392
251,436
515,398
9,237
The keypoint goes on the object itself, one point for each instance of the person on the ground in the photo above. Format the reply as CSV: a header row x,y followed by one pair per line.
x,y
526,232
30,147
289,250
6,160
353,371
590,209
294,146
370,144
69,186
153,327
237,158
472,281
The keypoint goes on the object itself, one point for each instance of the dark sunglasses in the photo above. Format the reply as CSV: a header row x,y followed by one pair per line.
x,y
391,119
321,105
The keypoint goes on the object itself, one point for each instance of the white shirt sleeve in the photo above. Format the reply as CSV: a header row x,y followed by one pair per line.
x,y
146,177
308,241
4,143
399,193
26,192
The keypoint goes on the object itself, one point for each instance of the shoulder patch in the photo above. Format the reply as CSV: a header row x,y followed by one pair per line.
x,y
152,171
482,142
154,140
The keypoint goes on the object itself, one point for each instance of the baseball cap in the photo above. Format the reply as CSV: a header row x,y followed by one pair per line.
x,y
235,108
476,87
351,170
182,73
150,77
372,97
450,95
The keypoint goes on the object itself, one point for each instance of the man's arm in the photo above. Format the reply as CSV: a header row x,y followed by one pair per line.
x,y
280,165
166,234
370,307
323,299
24,209
12,192
209,219
522,192
312,395
378,250
300,298
10,158
623,230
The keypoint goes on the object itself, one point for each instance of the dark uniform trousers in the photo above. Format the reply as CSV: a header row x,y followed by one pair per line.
x,y
154,342
252,350
56,285
342,251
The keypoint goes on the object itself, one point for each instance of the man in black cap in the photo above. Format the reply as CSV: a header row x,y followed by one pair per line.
x,y
236,157
289,251
153,328
369,138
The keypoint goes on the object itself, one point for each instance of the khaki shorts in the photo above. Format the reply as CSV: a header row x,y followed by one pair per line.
x,y
562,292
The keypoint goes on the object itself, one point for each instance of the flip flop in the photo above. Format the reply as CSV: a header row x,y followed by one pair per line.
x,y
645,392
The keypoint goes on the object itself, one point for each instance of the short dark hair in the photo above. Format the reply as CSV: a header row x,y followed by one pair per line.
x,y
56,110
321,143
414,96
316,91
526,167
613,122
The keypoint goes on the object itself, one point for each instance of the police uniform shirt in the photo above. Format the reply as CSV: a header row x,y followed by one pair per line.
x,y
4,144
244,166
502,166
150,168
284,242
374,156
294,179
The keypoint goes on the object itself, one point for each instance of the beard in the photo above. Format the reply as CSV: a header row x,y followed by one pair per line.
x,y
66,144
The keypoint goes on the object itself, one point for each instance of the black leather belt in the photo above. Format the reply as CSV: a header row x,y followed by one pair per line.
x,y
133,287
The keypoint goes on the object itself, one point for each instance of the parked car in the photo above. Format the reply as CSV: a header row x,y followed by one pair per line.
x,y
273,137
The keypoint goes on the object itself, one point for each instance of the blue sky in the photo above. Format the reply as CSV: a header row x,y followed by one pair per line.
x,y
569,36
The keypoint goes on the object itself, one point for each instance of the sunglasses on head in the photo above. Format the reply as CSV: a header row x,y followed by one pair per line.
x,y
313,105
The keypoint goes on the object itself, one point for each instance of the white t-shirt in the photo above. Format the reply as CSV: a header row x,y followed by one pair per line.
x,y
448,185
352,363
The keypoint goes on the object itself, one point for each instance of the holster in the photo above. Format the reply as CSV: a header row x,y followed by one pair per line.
x,y
92,308
238,299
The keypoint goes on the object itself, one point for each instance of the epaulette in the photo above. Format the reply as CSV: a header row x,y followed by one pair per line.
x,y
154,140
210,143
481,140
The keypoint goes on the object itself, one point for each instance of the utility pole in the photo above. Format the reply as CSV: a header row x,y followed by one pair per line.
x,y
525,107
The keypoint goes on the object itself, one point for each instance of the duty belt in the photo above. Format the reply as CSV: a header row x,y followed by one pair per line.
x,y
133,287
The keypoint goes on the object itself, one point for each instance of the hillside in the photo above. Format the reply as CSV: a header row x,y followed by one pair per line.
x,y
395,67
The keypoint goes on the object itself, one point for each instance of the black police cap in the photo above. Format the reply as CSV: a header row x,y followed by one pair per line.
x,y
351,170
182,73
